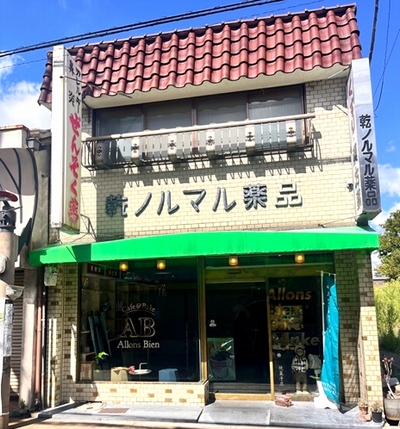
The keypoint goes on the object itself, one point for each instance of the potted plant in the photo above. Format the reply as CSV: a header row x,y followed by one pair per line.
x,y
391,401
363,406
219,362
376,413
98,373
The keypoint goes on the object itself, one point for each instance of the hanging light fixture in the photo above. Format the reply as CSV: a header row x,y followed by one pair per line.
x,y
161,264
299,258
124,266
233,260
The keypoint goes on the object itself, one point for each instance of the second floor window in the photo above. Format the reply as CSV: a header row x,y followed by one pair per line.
x,y
260,104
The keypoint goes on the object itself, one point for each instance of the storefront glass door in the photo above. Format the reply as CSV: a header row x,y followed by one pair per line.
x,y
237,337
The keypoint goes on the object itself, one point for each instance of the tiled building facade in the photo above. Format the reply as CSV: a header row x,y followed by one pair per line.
x,y
194,209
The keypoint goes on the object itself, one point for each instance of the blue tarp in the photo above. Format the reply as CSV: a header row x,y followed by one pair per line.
x,y
330,376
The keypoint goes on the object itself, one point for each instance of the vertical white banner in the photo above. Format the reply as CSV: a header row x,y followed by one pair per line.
x,y
363,142
66,142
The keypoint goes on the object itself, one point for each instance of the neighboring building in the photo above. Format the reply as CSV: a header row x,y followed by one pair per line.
x,y
24,171
223,191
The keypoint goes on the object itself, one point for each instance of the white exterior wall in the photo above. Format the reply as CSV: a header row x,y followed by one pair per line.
x,y
320,177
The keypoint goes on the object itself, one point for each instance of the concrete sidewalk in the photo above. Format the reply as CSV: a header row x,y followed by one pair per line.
x,y
229,414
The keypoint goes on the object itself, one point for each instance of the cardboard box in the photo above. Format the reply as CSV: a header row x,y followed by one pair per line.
x,y
119,373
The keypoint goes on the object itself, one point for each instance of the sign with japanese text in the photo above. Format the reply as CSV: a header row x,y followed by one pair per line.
x,y
254,196
363,142
66,142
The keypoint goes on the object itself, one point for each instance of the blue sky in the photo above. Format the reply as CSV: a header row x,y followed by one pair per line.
x,y
39,21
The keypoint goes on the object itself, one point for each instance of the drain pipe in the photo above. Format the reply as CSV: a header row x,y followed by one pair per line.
x,y
39,341
43,348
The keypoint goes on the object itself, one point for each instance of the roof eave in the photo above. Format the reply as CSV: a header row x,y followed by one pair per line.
x,y
225,86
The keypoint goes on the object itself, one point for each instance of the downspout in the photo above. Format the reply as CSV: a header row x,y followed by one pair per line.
x,y
39,341
43,347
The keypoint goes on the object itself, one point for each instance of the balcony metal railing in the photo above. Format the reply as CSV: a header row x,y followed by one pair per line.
x,y
231,139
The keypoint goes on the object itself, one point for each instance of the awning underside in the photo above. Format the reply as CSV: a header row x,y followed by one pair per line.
x,y
210,244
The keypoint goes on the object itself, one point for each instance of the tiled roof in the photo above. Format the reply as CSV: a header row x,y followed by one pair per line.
x,y
231,51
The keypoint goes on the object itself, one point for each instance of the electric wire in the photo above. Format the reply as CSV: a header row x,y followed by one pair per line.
x,y
384,70
384,59
151,23
371,49
140,24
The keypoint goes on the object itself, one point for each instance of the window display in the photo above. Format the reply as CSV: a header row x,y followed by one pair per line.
x,y
135,327
295,314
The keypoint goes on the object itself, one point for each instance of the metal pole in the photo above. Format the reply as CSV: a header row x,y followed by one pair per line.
x,y
8,256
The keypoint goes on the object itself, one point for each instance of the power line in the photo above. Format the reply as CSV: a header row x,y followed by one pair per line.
x,y
371,49
140,24
382,78
385,59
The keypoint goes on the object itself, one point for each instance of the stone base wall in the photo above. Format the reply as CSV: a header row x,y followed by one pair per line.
x,y
144,393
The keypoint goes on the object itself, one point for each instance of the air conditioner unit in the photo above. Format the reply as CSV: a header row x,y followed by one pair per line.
x,y
100,151
172,146
124,149
210,143
291,137
250,138
136,150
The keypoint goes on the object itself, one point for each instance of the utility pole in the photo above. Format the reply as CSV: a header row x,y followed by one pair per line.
x,y
8,256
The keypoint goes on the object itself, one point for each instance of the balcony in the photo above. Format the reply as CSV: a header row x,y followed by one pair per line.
x,y
215,141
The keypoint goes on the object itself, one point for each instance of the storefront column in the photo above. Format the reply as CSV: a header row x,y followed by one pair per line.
x,y
349,317
368,345
203,322
54,342
359,347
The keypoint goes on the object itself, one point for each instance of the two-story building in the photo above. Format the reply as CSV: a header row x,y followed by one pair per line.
x,y
223,187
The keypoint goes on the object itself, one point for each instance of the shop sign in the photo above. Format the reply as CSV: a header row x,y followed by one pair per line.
x,y
281,294
286,340
66,136
102,271
254,196
139,327
136,278
95,269
363,142
287,325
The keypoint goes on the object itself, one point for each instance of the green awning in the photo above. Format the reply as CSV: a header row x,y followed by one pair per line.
x,y
216,243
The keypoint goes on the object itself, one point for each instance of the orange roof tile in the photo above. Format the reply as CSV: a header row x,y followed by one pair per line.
x,y
232,51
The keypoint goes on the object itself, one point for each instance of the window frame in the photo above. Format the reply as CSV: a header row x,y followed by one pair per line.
x,y
194,102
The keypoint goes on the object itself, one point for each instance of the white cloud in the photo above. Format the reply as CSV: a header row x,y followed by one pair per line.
x,y
391,147
62,4
18,101
389,180
382,217
19,106
6,65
